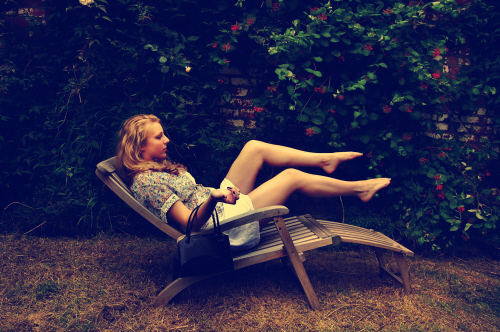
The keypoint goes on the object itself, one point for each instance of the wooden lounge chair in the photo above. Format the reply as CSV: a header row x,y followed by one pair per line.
x,y
288,238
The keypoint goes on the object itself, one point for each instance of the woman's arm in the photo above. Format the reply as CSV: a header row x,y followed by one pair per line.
x,y
180,213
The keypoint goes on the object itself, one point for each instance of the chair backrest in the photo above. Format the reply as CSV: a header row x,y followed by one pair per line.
x,y
106,171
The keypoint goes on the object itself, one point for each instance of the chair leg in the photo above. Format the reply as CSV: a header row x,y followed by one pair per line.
x,y
381,260
171,267
404,280
175,287
296,262
403,269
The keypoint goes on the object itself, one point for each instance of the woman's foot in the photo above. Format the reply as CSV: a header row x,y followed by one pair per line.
x,y
372,186
332,160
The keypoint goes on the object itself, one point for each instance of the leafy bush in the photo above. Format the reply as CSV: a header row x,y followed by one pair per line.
x,y
342,75
370,76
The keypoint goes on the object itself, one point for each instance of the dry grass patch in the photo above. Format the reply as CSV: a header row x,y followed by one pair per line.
x,y
108,284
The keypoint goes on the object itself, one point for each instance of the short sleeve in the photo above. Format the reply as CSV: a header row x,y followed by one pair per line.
x,y
153,192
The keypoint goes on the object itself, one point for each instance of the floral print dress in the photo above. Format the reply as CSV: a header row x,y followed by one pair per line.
x,y
158,191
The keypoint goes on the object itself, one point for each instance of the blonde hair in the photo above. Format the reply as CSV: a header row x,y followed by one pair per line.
x,y
131,138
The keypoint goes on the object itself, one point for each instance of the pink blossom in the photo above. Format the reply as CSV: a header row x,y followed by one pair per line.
x,y
310,132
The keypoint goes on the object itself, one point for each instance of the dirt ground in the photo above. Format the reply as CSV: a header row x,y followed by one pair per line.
x,y
109,283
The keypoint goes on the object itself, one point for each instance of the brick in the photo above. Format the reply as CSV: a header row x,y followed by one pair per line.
x,y
229,112
240,81
239,92
247,113
484,130
469,119
242,102
442,126
235,123
481,111
251,124
467,138
230,71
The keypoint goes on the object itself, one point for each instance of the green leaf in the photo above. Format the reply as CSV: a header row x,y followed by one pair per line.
x,y
453,228
163,59
364,138
318,59
318,119
303,118
382,65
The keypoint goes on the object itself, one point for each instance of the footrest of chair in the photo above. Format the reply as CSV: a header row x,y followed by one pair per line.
x,y
360,235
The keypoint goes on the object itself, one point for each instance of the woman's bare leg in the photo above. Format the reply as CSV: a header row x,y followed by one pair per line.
x,y
277,190
254,154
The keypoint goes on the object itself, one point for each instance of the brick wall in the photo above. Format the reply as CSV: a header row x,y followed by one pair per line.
x,y
471,127
240,110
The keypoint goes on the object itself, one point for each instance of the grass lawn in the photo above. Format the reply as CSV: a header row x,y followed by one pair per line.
x,y
108,284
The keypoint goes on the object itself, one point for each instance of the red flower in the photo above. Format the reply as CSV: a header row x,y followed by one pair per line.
x,y
439,187
437,177
423,160
319,90
387,109
332,111
235,27
388,11
226,60
276,7
407,137
272,88
487,173
368,47
441,155
221,81
424,86
258,109
226,47
250,21
313,9
437,74
461,209
442,196
340,97
407,108
310,132
341,58
215,45
322,17
437,52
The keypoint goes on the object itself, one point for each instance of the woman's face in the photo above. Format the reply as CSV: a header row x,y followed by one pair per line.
x,y
156,143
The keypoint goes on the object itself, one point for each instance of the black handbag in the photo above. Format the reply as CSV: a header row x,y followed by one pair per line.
x,y
204,253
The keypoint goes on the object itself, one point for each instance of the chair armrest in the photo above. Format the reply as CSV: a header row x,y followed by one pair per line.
x,y
250,216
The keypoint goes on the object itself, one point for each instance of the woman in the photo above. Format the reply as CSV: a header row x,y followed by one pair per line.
x,y
170,192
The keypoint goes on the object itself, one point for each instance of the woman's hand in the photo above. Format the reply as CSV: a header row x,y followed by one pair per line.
x,y
229,195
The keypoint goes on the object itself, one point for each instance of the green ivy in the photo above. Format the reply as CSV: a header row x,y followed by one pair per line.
x,y
340,75
370,76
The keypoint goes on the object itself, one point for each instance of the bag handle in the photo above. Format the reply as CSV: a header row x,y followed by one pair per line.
x,y
192,217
